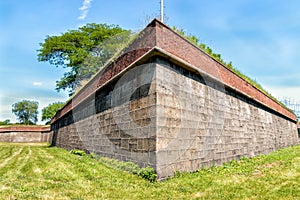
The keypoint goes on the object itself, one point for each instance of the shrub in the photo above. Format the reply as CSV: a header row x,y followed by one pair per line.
x,y
78,152
93,155
147,173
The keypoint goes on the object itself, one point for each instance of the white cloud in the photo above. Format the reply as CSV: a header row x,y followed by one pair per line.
x,y
285,92
37,83
7,100
84,9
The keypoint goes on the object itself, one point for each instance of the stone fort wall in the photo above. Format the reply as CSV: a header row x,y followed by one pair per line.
x,y
167,104
179,121
116,122
26,134
203,122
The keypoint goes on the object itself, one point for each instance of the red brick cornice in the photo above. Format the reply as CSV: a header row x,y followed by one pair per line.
x,y
158,35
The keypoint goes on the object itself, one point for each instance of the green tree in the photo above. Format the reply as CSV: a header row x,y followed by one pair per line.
x,y
26,111
49,111
5,122
71,50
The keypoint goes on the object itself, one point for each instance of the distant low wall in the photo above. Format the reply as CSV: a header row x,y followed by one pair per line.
x,y
26,134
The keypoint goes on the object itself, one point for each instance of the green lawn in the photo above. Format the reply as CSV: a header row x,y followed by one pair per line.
x,y
41,172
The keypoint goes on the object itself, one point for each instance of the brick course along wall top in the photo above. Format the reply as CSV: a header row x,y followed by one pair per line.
x,y
25,133
167,104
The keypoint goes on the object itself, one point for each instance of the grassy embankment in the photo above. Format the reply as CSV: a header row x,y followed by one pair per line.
x,y
42,172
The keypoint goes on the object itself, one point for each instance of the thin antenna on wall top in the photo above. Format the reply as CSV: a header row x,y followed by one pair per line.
x,y
162,10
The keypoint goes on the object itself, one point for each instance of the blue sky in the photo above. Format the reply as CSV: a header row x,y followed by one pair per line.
x,y
261,38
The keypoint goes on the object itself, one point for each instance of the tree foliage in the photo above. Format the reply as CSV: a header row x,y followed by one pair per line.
x,y
5,122
102,53
73,48
49,111
26,111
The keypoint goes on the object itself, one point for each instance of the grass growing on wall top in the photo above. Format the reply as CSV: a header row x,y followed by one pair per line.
x,y
194,40
42,172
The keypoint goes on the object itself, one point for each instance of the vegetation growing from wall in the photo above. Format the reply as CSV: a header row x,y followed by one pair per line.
x,y
194,40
